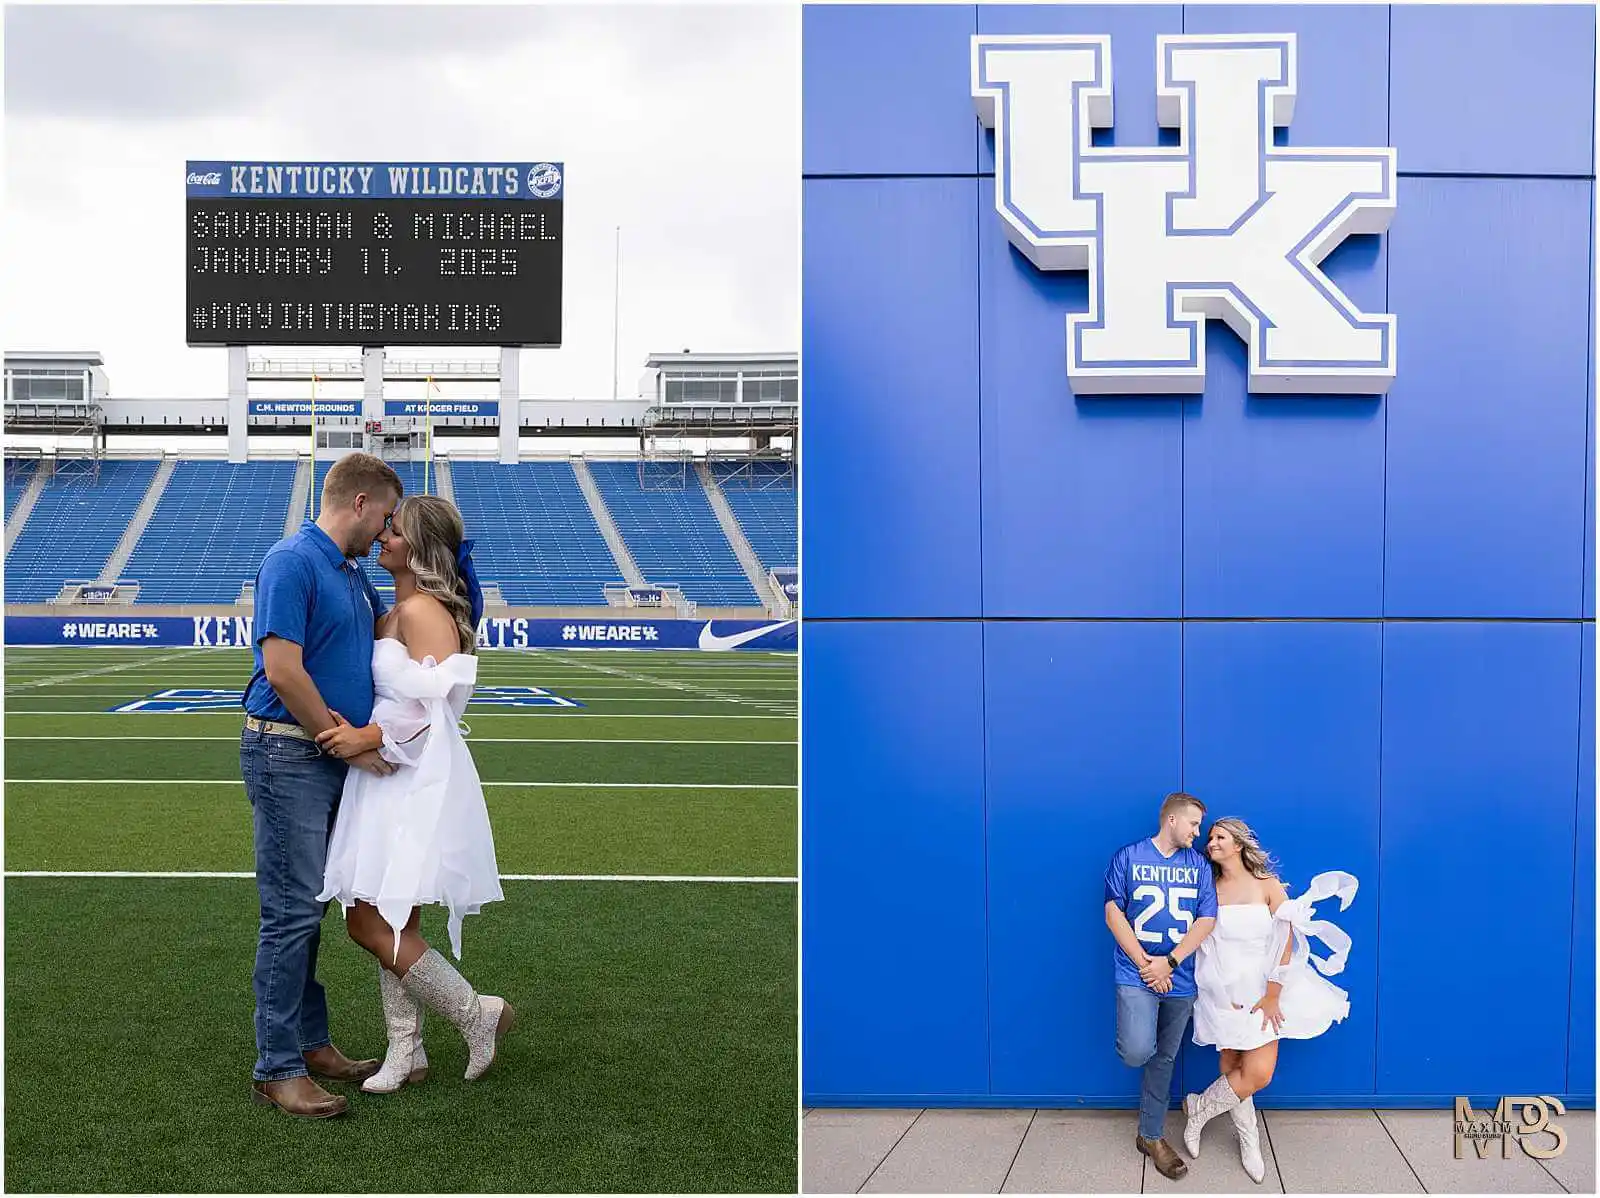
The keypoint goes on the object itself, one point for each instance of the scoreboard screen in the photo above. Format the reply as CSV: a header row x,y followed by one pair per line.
x,y
374,253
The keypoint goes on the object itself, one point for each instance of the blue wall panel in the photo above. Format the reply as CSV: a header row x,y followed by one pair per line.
x,y
1083,740
1353,621
1486,417
1342,51
1283,494
1580,1042
1496,90
1281,729
894,934
1480,761
887,90
1588,503
1082,499
891,517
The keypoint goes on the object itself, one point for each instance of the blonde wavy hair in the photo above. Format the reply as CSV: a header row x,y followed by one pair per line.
x,y
433,532
1252,856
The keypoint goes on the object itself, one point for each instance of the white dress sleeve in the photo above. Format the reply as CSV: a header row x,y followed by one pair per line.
x,y
1298,915
404,724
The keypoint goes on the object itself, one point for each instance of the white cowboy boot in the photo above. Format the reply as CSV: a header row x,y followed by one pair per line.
x,y
1202,1108
405,1062
1249,1132
482,1020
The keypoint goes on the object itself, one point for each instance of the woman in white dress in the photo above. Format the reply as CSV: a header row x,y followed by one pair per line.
x,y
1256,980
420,835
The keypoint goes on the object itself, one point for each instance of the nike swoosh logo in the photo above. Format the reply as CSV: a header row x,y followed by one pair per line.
x,y
711,642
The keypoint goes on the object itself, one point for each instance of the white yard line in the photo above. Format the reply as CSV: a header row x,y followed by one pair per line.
x,y
121,687
125,873
109,692
56,679
476,740
716,696
13,781
521,713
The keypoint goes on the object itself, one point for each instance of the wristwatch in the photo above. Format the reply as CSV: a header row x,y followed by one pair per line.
x,y
1172,961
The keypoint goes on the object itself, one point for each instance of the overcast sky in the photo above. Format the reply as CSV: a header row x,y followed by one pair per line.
x,y
679,124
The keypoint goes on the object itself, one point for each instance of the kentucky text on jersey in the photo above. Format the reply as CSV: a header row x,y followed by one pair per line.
x,y
1166,873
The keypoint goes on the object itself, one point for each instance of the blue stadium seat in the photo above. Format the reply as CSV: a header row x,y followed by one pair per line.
x,y
674,536
209,532
765,510
74,528
19,473
535,534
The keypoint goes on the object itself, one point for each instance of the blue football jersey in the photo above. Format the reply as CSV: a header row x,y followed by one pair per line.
x,y
1162,897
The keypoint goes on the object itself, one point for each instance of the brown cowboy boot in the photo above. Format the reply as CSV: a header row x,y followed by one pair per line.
x,y
1163,1156
328,1062
299,1096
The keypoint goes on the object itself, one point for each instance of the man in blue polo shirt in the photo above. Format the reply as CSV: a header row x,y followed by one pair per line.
x,y
1160,903
315,619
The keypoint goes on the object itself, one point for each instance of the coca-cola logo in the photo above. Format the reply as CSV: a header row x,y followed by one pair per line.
x,y
210,178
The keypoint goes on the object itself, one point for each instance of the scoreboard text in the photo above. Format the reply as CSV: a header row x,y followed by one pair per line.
x,y
374,254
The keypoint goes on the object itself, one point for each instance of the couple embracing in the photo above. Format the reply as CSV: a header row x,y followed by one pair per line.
x,y
1213,933
361,785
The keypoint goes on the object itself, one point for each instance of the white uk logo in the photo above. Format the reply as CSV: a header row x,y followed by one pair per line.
x,y
1224,225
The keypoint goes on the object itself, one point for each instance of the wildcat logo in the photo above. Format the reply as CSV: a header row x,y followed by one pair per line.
x,y
1225,225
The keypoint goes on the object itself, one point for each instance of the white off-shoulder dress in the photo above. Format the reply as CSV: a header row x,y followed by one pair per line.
x,y
420,835
1232,967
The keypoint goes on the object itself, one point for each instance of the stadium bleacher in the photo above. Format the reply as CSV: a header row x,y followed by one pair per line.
x,y
765,510
19,473
74,528
674,536
535,534
210,529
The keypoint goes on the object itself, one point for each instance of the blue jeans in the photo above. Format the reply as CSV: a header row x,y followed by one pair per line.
x,y
1150,1029
294,791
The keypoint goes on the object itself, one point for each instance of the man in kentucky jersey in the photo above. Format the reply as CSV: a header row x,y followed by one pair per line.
x,y
1160,904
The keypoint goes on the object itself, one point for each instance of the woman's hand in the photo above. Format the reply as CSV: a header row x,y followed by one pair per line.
x,y
1270,1013
345,741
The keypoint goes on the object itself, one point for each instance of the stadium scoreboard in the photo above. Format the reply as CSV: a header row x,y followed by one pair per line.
x,y
374,253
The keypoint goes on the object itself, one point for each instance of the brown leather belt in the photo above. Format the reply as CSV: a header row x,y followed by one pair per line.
x,y
270,728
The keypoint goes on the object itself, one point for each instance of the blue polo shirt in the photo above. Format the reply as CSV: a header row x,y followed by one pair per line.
x,y
308,592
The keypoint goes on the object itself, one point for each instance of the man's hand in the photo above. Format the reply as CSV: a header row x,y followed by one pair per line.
x,y
1270,1013
345,741
1155,969
373,763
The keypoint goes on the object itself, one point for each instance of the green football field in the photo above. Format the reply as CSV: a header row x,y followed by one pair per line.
x,y
648,940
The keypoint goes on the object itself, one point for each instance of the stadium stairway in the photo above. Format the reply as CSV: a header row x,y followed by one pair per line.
x,y
674,535
607,526
446,486
141,519
536,535
765,508
212,526
299,494
748,560
74,526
